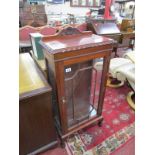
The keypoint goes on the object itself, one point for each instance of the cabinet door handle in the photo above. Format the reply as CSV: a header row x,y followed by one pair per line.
x,y
63,100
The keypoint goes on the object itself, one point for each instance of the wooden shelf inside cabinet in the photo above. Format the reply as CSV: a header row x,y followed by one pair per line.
x,y
77,68
36,123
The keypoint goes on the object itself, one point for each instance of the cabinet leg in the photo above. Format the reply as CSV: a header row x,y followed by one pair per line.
x,y
115,51
100,123
62,143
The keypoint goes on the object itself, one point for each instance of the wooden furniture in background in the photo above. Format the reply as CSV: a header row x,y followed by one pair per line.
x,y
24,35
71,58
24,38
33,15
128,25
36,124
107,28
128,31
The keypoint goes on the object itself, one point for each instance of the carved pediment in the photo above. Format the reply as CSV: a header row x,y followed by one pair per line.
x,y
69,31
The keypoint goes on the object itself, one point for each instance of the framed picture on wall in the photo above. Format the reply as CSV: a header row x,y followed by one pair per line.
x,y
55,1
98,3
75,2
85,3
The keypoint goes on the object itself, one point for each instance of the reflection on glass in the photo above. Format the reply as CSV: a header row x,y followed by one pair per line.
x,y
82,89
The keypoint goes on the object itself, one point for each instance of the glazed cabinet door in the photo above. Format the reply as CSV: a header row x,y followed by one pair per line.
x,y
82,87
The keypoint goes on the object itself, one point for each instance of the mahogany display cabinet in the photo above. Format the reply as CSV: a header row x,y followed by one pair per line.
x,y
37,131
77,69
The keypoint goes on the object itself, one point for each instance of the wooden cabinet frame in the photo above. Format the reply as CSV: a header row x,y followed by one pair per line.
x,y
56,61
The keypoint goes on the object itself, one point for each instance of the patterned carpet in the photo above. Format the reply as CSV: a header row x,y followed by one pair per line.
x,y
115,137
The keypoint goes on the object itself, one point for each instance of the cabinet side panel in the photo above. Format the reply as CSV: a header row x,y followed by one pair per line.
x,y
36,124
52,81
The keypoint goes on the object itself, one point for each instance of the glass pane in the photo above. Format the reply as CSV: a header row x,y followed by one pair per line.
x,y
82,86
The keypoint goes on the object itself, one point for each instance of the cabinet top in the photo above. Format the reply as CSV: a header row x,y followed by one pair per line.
x,y
30,77
71,39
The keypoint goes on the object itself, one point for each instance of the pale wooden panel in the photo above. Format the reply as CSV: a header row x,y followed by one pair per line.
x,y
41,63
29,78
